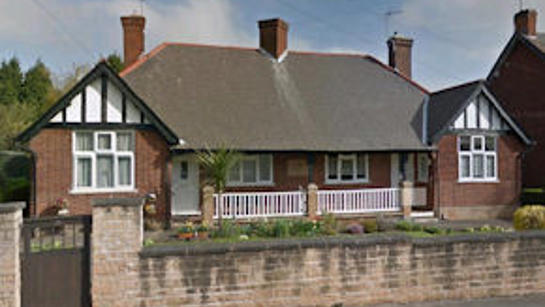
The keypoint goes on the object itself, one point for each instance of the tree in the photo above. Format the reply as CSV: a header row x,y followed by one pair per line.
x,y
11,81
115,62
218,164
36,85
14,119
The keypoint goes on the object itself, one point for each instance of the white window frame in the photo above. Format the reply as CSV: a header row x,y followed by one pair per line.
x,y
472,152
117,188
354,158
258,182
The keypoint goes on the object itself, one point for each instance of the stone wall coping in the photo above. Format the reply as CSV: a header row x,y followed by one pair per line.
x,y
123,202
328,242
12,206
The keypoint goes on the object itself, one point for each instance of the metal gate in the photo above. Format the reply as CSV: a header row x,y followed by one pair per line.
x,y
56,262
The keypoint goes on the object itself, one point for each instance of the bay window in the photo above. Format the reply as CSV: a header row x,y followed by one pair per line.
x,y
346,168
252,170
103,161
477,158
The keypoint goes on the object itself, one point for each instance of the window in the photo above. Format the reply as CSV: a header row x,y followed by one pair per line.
x,y
477,158
346,168
184,170
252,170
423,167
103,160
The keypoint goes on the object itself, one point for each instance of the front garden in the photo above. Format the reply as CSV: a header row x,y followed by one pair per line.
x,y
326,226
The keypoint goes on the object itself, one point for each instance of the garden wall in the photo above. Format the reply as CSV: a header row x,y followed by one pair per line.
x,y
308,272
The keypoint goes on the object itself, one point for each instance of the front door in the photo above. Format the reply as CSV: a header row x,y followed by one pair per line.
x,y
185,186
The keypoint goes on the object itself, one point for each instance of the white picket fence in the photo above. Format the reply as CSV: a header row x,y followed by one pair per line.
x,y
261,204
359,201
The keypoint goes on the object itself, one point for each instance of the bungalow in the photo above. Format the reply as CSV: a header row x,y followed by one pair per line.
x,y
351,125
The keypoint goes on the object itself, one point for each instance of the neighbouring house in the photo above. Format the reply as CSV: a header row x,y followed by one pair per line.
x,y
516,79
351,125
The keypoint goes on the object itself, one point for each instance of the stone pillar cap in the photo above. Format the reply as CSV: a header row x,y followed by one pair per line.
x,y
123,202
12,206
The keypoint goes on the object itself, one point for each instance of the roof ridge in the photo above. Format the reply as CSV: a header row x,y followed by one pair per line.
x,y
454,87
387,67
142,59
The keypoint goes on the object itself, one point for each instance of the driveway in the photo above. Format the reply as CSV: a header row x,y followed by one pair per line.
x,y
534,300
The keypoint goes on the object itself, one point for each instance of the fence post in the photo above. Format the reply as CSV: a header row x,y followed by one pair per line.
x,y
11,219
208,205
116,241
312,201
406,198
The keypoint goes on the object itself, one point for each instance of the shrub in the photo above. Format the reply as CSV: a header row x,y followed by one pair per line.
x,y
281,228
416,227
354,228
529,217
229,229
404,225
433,230
370,226
301,228
261,229
328,225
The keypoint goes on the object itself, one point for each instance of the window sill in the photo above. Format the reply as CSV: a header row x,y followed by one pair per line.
x,y
478,181
330,182
242,185
102,191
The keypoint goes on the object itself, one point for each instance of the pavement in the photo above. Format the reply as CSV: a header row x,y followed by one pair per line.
x,y
534,300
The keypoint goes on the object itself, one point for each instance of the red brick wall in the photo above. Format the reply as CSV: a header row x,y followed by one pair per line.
x,y
379,173
451,193
53,149
519,87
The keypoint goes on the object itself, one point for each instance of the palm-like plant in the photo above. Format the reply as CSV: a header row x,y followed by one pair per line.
x,y
218,163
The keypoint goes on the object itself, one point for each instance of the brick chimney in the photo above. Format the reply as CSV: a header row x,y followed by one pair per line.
x,y
525,22
273,36
133,38
399,54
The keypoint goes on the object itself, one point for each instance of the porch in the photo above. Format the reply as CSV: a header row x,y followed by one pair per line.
x,y
303,184
312,202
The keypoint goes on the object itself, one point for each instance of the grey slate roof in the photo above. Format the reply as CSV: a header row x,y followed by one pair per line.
x,y
444,104
211,96
538,41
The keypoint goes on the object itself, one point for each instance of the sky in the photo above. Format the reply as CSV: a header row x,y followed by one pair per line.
x,y
454,40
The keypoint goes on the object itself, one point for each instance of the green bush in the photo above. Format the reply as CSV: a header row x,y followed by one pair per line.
x,y
229,230
17,189
529,217
281,228
370,226
302,228
404,225
329,225
433,230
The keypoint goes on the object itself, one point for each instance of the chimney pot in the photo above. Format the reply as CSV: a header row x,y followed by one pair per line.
x,y
133,38
400,54
273,36
525,22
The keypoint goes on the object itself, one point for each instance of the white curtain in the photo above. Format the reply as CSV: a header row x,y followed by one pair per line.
x,y
124,141
105,174
124,170
84,141
84,172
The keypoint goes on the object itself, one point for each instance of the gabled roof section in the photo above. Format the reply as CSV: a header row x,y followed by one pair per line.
x,y
99,71
445,106
213,95
534,43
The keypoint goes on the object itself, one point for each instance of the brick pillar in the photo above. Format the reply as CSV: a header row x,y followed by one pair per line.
x,y
116,240
406,198
11,219
312,201
208,205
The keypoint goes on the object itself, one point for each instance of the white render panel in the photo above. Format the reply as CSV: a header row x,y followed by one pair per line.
x,y
459,123
94,105
114,109
133,114
471,111
73,111
496,121
484,110
57,118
